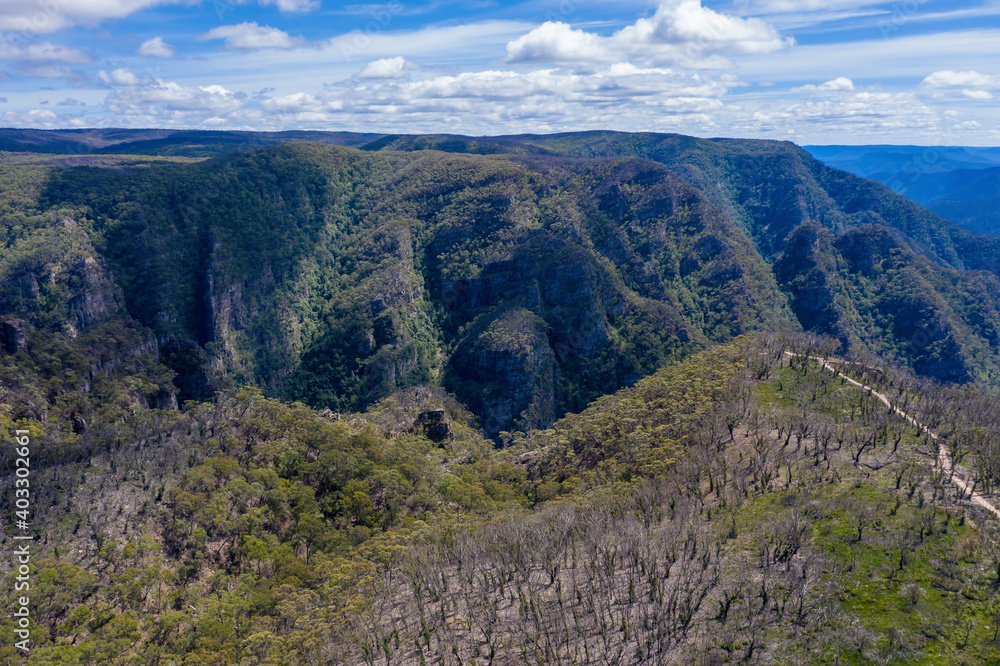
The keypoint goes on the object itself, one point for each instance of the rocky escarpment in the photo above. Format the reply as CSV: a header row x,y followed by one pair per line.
x,y
506,371
58,280
14,334
70,349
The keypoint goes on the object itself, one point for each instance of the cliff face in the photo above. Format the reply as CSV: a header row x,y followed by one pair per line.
x,y
58,280
506,371
70,350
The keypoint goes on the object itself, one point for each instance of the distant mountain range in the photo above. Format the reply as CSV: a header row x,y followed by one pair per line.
x,y
960,184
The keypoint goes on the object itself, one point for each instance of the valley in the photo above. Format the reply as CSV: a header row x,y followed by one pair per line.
x,y
596,397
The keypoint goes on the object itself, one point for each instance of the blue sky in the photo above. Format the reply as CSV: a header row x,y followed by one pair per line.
x,y
811,71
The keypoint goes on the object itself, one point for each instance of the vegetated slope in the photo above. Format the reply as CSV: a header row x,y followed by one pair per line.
x,y
530,277
525,286
829,235
741,505
735,505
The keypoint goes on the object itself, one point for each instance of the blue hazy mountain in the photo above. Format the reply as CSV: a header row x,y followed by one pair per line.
x,y
961,184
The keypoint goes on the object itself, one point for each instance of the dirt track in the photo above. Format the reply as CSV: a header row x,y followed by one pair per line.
x,y
944,454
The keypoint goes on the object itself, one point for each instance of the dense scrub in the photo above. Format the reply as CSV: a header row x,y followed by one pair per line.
x,y
745,505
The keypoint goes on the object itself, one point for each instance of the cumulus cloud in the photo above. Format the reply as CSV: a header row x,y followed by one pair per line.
x,y
69,101
972,84
119,77
299,103
171,101
952,79
385,68
250,36
680,32
42,116
542,100
557,42
157,48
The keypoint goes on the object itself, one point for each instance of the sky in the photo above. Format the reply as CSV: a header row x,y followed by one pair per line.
x,y
924,72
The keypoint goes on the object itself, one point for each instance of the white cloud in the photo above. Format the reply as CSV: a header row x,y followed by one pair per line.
x,y
157,48
41,118
385,68
973,85
31,18
952,79
902,57
69,101
291,6
680,32
46,71
250,36
42,115
866,115
452,44
172,102
119,77
799,20
484,101
686,21
28,18
839,84
987,9
557,42
43,52
298,103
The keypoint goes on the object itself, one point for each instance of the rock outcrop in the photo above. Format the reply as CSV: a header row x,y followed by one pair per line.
x,y
13,334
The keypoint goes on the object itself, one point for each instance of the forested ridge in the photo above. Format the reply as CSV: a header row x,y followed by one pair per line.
x,y
535,399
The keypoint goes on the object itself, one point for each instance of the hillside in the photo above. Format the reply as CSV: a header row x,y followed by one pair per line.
x,y
969,197
338,277
743,504
528,275
581,398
